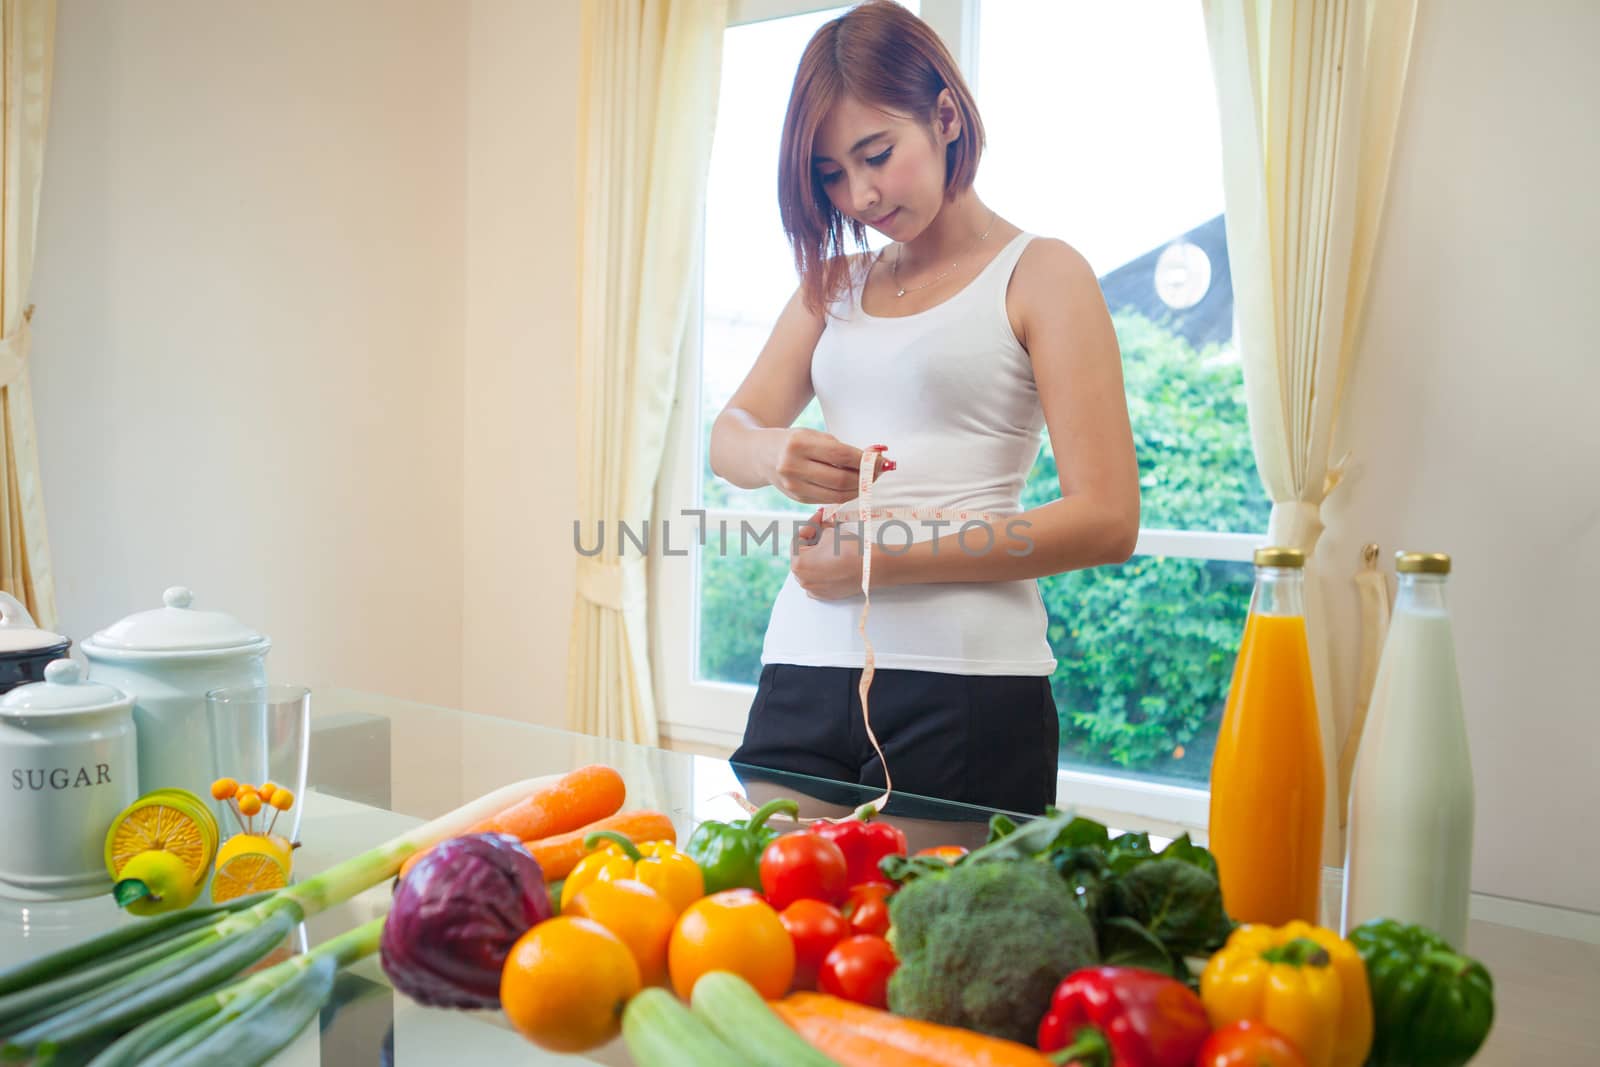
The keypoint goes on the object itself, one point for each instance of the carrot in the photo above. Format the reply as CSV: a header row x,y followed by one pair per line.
x,y
847,1046
559,854
945,1045
574,800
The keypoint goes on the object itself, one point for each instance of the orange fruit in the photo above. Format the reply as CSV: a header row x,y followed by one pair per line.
x,y
638,915
250,863
732,931
566,982
170,820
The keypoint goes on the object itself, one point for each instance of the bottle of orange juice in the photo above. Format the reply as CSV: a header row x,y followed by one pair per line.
x,y
1267,774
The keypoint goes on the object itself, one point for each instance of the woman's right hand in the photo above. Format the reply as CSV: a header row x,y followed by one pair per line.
x,y
814,467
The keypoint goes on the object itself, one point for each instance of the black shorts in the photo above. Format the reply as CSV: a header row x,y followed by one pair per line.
x,y
992,741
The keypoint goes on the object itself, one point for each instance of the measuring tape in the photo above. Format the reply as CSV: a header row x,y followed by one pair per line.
x,y
869,464
844,514
865,514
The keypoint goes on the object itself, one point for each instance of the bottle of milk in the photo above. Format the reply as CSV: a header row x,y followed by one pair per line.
x,y
1409,855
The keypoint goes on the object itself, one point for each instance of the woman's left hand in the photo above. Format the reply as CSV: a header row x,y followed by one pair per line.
x,y
827,559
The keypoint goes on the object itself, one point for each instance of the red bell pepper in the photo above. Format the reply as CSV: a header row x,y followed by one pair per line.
x,y
863,844
1123,1017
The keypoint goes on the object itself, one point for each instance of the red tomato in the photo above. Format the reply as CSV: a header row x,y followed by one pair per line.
x,y
815,928
1249,1044
868,908
858,969
802,866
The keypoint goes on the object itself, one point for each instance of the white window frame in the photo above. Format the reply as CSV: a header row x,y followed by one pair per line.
x,y
713,713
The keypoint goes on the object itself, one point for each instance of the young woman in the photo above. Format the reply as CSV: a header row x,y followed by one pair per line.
x,y
954,347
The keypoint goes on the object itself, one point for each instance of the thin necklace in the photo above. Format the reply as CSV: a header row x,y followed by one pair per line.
x,y
894,268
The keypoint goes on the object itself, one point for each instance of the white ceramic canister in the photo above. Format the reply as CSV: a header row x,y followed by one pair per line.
x,y
25,650
68,766
167,660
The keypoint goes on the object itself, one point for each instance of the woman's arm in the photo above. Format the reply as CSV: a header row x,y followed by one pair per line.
x,y
1078,369
752,442
746,436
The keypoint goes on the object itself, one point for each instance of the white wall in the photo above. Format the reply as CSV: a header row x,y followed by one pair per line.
x,y
248,347
1470,412
520,478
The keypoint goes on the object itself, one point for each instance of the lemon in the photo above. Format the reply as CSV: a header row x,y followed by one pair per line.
x,y
166,820
251,863
155,881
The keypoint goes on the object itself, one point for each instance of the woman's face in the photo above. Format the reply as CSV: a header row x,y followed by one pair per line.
x,y
886,170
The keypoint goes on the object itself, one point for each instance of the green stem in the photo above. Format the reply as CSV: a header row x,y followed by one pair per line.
x,y
1301,952
97,951
183,1028
139,995
622,841
49,998
1088,1048
1456,964
144,1041
771,808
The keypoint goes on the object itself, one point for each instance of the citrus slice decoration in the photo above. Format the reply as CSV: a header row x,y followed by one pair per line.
x,y
168,820
250,863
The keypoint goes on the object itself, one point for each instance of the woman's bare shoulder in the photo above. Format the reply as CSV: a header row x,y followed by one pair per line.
x,y
1050,262
1053,285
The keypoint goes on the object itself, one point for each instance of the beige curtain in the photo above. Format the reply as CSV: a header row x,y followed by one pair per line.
x,y
1310,94
29,29
650,71
1373,589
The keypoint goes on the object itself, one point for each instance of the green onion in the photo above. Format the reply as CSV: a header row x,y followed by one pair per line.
x,y
92,999
249,1021
108,946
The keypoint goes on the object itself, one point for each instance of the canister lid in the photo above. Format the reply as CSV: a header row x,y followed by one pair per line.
x,y
64,689
18,632
175,627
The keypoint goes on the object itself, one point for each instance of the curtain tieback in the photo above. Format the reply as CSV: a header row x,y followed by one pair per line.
x,y
619,585
1295,524
14,348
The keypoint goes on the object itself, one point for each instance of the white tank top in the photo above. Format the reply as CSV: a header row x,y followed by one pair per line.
x,y
950,390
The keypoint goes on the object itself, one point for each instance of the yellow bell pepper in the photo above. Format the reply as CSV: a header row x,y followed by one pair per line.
x,y
658,864
1304,981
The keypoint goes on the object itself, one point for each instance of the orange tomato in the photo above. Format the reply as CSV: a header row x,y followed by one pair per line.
x,y
637,914
732,931
566,982
948,853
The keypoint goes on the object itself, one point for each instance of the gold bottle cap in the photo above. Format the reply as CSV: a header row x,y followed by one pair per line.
x,y
1280,557
1422,563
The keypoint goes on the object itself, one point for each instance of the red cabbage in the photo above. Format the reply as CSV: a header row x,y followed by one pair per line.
x,y
456,915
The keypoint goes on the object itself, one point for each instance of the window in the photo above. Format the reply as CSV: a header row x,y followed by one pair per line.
x,y
1102,130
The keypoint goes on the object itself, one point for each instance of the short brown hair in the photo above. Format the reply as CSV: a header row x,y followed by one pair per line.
x,y
884,56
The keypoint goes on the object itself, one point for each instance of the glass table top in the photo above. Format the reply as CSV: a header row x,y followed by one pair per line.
x,y
380,766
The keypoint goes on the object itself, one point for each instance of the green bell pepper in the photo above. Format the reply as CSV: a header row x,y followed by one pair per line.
x,y
1431,1007
729,853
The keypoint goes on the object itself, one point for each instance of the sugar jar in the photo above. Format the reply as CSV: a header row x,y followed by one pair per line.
x,y
68,766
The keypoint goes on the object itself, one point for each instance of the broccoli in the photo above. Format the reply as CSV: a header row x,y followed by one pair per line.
x,y
984,946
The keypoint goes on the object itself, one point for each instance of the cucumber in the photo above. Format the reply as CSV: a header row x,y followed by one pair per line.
x,y
661,1032
742,1019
